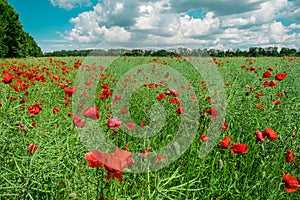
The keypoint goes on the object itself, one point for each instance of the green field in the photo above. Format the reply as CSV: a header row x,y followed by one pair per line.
x,y
58,168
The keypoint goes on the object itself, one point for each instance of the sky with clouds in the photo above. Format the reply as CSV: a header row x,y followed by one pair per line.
x,y
157,24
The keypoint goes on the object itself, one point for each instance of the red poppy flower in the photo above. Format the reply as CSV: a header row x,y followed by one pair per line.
x,y
225,142
204,138
239,148
23,100
114,123
34,110
160,96
166,75
56,77
276,102
259,136
270,69
94,158
114,163
32,148
180,111
123,111
279,94
91,113
174,92
142,124
213,112
291,183
55,110
70,91
117,97
289,156
173,100
78,122
7,77
260,106
280,77
272,83
33,124
129,126
270,133
160,158
105,94
266,83
266,74
223,126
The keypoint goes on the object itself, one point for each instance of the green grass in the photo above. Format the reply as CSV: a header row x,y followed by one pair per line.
x,y
59,170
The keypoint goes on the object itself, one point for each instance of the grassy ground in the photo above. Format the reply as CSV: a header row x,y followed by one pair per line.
x,y
59,170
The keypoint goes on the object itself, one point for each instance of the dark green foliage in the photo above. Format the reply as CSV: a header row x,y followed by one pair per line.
x,y
252,52
14,41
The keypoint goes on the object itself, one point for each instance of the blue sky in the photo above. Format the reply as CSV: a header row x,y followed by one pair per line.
x,y
221,24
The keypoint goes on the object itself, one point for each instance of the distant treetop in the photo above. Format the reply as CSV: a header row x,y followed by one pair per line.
x,y
14,41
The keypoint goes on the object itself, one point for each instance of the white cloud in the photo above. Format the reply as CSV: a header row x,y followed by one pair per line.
x,y
294,26
191,27
70,4
166,23
238,21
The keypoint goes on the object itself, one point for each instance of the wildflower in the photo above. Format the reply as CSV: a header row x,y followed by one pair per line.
x,y
114,123
291,183
91,113
270,133
225,142
239,148
289,156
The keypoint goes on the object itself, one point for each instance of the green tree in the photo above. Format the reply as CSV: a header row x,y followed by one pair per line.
x,y
14,41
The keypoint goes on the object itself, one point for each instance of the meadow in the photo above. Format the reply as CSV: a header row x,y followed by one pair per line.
x,y
55,113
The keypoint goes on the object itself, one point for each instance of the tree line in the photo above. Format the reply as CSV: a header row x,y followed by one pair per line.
x,y
14,41
251,52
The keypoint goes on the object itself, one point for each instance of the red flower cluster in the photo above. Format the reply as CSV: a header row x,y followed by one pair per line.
x,y
236,147
114,123
105,92
270,83
266,74
269,133
70,91
292,184
239,148
91,113
280,77
213,112
225,143
55,110
223,126
160,97
7,77
78,122
114,163
204,138
34,110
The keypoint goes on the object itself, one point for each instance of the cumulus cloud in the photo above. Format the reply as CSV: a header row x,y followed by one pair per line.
x,y
70,4
168,23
